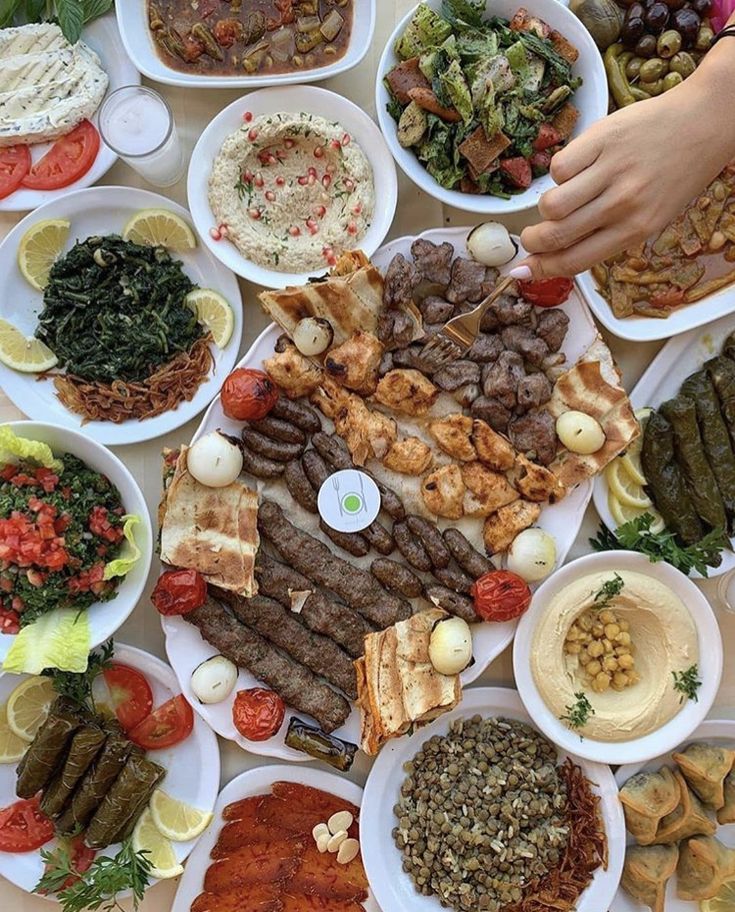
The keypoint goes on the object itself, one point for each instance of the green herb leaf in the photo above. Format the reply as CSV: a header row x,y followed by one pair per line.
x,y
609,589
94,8
70,14
578,713
8,9
78,687
687,683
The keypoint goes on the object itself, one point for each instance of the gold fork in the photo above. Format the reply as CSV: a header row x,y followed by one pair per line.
x,y
455,339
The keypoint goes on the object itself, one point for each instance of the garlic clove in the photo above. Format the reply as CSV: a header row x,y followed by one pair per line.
x,y
348,851
342,820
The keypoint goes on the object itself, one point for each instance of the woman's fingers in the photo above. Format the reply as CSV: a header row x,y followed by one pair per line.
x,y
562,201
550,236
580,256
581,153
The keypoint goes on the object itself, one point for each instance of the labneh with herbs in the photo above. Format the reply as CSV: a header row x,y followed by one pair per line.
x,y
291,191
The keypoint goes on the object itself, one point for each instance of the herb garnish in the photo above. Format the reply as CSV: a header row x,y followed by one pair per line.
x,y
609,589
636,535
71,15
244,188
687,683
78,687
100,885
578,713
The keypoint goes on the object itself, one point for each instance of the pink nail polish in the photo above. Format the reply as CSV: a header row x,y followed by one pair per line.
x,y
521,272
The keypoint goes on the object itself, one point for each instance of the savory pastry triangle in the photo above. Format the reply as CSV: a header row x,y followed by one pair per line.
x,y
646,872
704,865
704,767
689,818
646,798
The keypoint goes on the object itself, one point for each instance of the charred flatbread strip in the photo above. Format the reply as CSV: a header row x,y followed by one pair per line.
x,y
278,429
316,469
354,585
379,537
397,577
411,548
277,450
469,558
260,466
299,486
430,537
454,578
322,614
299,687
453,602
352,542
298,413
284,629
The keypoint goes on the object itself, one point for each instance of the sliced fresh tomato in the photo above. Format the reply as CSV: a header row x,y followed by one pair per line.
x,y
81,859
168,725
15,163
546,292
24,827
130,695
67,160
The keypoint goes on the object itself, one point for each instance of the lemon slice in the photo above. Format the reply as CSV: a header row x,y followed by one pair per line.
x,y
160,228
622,513
28,706
146,837
12,747
24,353
626,490
175,819
214,312
38,249
724,901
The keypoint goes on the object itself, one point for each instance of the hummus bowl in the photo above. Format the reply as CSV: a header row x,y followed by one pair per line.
x,y
250,188
636,705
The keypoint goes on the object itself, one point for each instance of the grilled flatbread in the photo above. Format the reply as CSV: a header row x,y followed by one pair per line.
x,y
212,530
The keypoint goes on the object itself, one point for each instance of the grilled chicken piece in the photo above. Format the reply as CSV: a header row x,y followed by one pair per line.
x,y
492,448
354,364
453,436
410,456
443,491
487,491
502,527
296,375
536,482
406,390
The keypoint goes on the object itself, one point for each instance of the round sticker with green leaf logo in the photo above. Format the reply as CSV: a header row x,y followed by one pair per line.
x,y
349,501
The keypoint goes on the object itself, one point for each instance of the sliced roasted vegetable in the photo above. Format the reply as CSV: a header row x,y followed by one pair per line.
x,y
319,745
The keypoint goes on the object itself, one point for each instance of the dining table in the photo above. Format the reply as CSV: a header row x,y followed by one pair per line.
x,y
193,109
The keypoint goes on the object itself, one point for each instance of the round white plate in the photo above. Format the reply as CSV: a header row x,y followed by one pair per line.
x,y
673,732
103,37
184,645
258,781
192,767
306,99
713,731
106,210
662,380
104,617
591,98
132,18
393,888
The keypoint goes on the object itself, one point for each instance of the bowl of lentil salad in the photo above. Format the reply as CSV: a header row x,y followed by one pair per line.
x,y
60,526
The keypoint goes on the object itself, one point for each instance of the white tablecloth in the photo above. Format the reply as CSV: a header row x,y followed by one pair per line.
x,y
416,212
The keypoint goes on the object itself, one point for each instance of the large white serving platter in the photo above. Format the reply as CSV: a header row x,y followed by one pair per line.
x,y
106,210
298,99
192,767
680,357
132,18
684,722
394,888
258,781
720,732
103,37
184,645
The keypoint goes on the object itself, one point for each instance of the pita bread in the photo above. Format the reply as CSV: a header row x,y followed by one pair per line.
x,y
212,530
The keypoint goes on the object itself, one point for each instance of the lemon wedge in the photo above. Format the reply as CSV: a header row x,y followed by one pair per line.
x,y
28,706
175,819
38,249
24,353
724,901
148,838
622,513
160,228
12,747
214,312
623,487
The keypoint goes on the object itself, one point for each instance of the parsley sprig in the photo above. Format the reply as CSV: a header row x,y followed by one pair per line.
x,y
687,683
609,589
78,686
578,713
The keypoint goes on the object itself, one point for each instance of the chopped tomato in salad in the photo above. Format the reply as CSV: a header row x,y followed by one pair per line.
x,y
24,827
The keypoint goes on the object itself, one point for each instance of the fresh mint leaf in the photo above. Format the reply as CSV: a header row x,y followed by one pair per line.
x,y
94,8
70,14
8,9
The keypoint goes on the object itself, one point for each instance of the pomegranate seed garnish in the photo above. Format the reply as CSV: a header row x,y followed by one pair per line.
x,y
254,213
248,174
270,196
326,180
280,181
335,144
247,116
223,230
252,134
332,260
294,231
351,228
319,152
258,180
215,234
357,209
321,211
289,143
346,139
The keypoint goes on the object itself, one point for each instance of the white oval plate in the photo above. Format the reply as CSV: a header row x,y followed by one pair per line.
x,y
591,98
307,99
106,210
662,379
393,888
132,18
103,37
258,781
192,767
184,645
104,617
677,729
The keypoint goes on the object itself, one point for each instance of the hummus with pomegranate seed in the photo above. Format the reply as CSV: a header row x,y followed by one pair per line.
x,y
291,191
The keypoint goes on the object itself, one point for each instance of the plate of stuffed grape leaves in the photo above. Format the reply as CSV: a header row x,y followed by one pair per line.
x,y
672,493
107,777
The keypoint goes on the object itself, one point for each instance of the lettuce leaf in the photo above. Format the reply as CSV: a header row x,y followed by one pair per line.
x,y
426,29
464,13
436,152
456,89
130,553
59,639
14,448
476,46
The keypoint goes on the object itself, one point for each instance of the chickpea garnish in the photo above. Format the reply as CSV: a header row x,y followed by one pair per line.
x,y
602,643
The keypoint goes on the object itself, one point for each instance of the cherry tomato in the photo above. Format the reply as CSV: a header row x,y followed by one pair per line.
x,y
66,161
24,827
179,592
546,292
130,694
15,163
166,726
248,395
258,713
500,595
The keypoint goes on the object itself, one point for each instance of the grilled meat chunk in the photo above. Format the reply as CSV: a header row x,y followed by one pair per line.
x,y
453,436
353,543
487,347
453,602
411,547
523,340
277,450
299,486
469,559
401,280
533,391
443,491
458,373
433,261
298,413
296,375
278,429
354,364
397,577
552,327
406,391
466,281
534,433
435,309
491,411
430,537
500,380
502,527
409,456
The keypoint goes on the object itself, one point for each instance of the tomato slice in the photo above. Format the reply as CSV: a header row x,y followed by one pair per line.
x,y
15,163
66,161
130,695
168,725
24,827
81,860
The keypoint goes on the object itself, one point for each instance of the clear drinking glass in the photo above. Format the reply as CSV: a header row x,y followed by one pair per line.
x,y
137,124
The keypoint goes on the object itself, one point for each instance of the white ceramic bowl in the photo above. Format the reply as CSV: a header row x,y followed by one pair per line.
x,y
295,99
684,722
591,99
104,617
132,19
